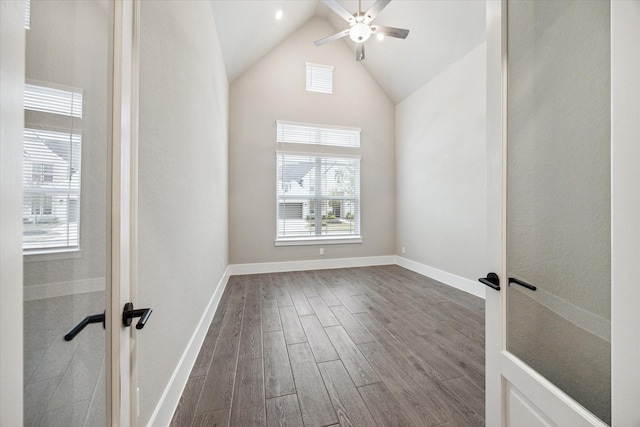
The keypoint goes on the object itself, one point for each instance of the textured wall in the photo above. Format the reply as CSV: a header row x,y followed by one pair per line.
x,y
274,89
441,175
183,182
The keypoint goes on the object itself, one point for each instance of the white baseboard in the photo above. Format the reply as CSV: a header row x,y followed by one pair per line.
x,y
462,283
50,290
168,403
315,264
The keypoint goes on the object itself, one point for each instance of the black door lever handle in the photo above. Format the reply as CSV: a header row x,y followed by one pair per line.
x,y
94,318
129,313
492,280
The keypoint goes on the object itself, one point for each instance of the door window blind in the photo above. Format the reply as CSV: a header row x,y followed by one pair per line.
x,y
318,196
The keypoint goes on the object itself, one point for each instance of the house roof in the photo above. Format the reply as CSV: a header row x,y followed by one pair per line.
x,y
441,32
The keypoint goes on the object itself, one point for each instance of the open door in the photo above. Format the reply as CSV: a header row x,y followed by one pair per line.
x,y
68,212
563,158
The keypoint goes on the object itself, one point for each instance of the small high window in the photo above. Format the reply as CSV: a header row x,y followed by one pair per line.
x,y
319,78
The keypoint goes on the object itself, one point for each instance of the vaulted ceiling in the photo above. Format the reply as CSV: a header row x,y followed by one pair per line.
x,y
441,32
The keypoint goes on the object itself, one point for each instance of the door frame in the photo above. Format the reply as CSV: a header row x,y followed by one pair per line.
x,y
123,112
502,366
12,42
121,350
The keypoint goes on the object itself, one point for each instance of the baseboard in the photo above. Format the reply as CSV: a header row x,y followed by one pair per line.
x,y
458,282
168,403
315,264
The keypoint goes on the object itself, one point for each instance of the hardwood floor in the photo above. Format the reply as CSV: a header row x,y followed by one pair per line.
x,y
352,347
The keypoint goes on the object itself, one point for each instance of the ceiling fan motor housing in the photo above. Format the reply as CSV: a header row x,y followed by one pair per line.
x,y
360,32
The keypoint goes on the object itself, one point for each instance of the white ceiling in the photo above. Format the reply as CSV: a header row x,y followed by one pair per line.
x,y
441,32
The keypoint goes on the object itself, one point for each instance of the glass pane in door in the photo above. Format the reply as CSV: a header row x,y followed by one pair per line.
x,y
558,208
65,210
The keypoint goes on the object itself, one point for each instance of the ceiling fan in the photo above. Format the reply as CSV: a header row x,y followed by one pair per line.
x,y
361,27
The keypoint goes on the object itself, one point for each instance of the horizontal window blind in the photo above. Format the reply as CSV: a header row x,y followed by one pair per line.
x,y
27,14
51,184
52,100
300,133
317,196
319,78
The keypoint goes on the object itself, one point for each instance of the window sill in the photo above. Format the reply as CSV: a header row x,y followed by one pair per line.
x,y
51,255
306,241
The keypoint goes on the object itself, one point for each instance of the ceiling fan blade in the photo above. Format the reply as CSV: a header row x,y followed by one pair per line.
x,y
337,8
359,51
390,31
376,9
336,36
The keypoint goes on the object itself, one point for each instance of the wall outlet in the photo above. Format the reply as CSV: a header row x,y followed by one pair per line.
x,y
321,251
403,251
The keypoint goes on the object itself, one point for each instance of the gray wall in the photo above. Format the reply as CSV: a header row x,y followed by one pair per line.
x,y
274,89
441,173
183,182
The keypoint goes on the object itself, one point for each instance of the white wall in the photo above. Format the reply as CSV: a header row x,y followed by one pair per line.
x,y
441,174
274,89
182,183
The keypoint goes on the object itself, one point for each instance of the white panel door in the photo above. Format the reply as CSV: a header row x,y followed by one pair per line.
x,y
563,86
68,211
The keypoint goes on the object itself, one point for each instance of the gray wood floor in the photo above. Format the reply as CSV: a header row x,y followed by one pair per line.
x,y
353,347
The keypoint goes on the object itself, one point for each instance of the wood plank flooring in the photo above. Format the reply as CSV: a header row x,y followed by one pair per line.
x,y
351,347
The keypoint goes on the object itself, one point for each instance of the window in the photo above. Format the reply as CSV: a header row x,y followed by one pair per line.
x,y
311,203
51,183
41,172
318,194
319,78
51,173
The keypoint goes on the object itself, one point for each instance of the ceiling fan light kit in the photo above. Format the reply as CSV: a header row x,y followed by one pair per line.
x,y
361,28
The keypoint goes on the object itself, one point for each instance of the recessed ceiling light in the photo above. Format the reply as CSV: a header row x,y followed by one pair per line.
x,y
279,14
380,36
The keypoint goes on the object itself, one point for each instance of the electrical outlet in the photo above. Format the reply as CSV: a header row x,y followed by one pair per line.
x,y
321,251
403,251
